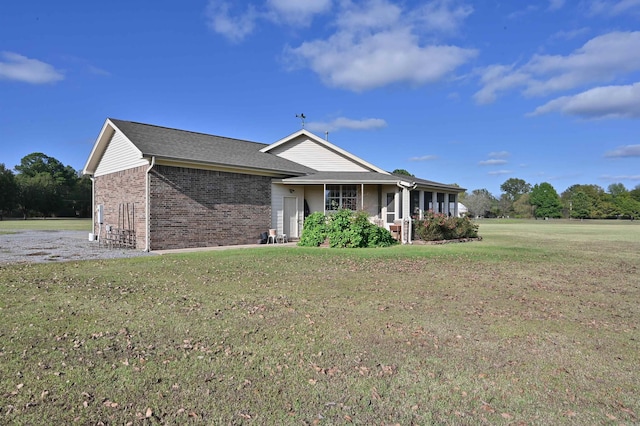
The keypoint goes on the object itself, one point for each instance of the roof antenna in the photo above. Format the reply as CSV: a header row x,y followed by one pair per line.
x,y
301,117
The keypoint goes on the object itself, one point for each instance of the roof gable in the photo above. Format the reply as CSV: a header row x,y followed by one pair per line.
x,y
191,147
312,151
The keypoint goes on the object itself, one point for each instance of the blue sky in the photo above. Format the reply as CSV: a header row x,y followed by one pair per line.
x,y
472,93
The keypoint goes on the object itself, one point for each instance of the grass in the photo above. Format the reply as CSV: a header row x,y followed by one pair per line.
x,y
536,324
13,225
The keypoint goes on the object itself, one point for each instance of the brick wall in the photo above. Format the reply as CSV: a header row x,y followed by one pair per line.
x,y
201,208
115,191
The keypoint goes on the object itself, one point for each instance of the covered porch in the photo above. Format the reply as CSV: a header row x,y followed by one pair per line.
x,y
391,201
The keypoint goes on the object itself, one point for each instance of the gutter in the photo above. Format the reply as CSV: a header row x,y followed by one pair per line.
x,y
148,206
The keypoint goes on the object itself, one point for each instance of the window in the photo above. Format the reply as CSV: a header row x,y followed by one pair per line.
x,y
341,197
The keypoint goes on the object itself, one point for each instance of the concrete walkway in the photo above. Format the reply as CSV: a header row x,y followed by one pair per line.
x,y
218,248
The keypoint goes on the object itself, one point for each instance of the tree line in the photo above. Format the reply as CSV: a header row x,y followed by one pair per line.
x,y
522,200
43,186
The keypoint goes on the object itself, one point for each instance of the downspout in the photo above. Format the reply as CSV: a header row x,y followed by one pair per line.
x,y
148,206
93,208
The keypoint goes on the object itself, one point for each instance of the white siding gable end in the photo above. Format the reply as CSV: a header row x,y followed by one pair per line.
x,y
119,155
311,151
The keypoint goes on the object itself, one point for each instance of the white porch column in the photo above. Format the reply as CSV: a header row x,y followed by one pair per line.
x,y
421,204
456,213
446,204
434,201
406,216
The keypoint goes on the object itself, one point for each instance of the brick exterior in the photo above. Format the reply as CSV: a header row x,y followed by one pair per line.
x,y
202,208
115,190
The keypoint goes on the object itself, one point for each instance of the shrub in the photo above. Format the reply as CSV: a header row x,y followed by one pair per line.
x,y
344,228
315,230
437,227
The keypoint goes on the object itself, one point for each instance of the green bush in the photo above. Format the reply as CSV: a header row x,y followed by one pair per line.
x,y
344,229
315,230
438,227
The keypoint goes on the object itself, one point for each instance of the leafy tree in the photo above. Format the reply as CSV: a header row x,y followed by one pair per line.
x,y
581,206
479,202
515,188
37,162
39,194
617,189
546,201
401,172
8,190
635,193
522,207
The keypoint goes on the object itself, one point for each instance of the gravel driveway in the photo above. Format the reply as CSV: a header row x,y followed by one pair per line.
x,y
56,246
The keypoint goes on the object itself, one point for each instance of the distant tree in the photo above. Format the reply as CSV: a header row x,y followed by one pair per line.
x,y
515,188
522,207
79,198
581,206
546,201
505,205
635,193
8,190
617,189
44,183
479,202
401,172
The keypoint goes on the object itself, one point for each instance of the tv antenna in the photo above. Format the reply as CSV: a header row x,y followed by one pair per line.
x,y
302,118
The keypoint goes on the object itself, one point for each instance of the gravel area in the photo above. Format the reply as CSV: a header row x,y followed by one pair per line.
x,y
56,246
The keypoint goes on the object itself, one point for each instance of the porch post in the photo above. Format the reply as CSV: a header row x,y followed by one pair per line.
x,y
421,204
362,196
406,216
434,201
456,213
324,199
446,204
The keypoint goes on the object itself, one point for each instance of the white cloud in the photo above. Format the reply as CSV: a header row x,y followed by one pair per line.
x,y
624,151
14,66
600,102
377,43
601,59
499,154
347,123
556,4
443,15
500,172
620,177
614,8
236,27
492,162
424,158
298,12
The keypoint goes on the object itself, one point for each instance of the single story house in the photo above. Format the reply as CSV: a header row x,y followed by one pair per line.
x,y
160,188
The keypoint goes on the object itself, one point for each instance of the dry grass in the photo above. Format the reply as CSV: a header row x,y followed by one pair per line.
x,y
536,324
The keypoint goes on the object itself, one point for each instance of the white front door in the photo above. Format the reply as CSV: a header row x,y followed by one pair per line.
x,y
290,217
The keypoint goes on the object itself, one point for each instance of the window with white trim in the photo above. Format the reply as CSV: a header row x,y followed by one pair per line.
x,y
341,197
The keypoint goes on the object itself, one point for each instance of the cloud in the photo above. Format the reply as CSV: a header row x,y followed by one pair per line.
x,y
492,162
600,102
235,28
443,15
14,66
500,172
347,123
424,158
613,8
601,59
297,12
377,43
556,4
620,177
236,25
624,151
499,154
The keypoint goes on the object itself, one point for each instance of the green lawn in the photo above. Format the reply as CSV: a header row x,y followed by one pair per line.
x,y
535,324
45,224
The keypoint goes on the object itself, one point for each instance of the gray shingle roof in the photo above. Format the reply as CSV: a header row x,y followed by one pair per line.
x,y
367,177
181,145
